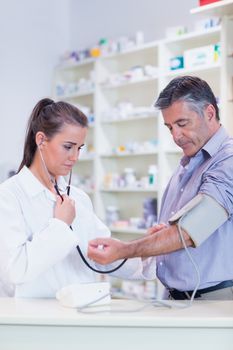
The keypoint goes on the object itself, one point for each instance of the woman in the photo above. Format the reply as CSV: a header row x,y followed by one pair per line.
x,y
41,225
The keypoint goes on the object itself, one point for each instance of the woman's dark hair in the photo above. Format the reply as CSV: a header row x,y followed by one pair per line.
x,y
49,117
193,90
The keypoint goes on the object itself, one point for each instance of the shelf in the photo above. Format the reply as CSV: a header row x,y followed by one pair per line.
x,y
131,118
130,189
134,49
128,83
127,230
184,71
127,154
73,65
219,8
193,35
72,96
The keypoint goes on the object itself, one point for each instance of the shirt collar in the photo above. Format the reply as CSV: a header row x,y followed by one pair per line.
x,y
210,148
32,186
215,142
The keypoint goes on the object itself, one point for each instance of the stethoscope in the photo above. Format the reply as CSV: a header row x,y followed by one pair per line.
x,y
55,185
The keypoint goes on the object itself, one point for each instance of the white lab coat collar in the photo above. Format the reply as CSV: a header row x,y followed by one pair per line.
x,y
33,187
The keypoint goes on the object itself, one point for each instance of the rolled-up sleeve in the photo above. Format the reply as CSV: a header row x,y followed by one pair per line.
x,y
133,269
218,182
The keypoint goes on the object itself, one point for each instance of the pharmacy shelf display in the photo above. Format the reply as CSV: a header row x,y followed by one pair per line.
x,y
75,84
127,139
129,152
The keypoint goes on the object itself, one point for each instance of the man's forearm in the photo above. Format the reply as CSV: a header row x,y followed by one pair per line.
x,y
162,242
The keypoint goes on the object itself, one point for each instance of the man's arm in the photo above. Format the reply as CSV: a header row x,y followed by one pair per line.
x,y
166,240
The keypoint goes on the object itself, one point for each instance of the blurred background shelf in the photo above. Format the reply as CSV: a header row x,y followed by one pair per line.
x,y
127,137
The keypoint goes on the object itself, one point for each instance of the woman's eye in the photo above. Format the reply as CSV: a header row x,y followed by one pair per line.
x,y
67,147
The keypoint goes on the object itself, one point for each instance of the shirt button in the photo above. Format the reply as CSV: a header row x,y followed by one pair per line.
x,y
172,213
161,264
181,190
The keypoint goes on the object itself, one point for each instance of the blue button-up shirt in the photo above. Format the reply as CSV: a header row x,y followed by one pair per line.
x,y
210,171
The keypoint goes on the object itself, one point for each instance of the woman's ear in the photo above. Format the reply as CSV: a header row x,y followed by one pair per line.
x,y
40,138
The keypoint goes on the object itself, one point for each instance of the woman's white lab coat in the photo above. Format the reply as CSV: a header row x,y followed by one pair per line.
x,y
38,254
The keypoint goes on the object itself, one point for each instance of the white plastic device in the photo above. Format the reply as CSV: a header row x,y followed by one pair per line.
x,y
83,294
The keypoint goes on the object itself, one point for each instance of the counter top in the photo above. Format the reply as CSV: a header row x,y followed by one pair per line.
x,y
214,314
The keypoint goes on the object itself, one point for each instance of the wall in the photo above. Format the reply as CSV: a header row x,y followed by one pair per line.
x,y
92,20
32,36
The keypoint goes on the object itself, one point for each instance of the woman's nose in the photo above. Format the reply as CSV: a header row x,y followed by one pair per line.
x,y
74,156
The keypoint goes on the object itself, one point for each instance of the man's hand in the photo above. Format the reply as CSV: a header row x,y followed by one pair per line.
x,y
156,228
106,250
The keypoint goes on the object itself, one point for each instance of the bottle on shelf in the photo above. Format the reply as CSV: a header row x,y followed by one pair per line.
x,y
129,177
152,174
150,211
112,215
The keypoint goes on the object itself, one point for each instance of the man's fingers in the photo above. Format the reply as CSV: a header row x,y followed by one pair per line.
x,y
156,228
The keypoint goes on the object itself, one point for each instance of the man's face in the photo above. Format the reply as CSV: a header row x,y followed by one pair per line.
x,y
189,130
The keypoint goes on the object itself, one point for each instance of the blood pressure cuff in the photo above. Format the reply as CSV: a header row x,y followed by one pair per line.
x,y
200,217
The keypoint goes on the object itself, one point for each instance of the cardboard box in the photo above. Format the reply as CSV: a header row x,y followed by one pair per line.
x,y
206,2
201,56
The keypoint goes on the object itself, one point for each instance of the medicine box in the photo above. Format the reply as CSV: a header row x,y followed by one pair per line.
x,y
176,62
201,56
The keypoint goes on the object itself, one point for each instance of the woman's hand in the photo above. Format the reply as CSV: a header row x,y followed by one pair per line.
x,y
106,250
65,210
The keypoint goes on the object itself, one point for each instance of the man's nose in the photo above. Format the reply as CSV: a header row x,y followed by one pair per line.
x,y
176,133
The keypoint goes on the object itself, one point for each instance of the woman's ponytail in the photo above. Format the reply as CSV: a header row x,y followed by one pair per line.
x,y
34,125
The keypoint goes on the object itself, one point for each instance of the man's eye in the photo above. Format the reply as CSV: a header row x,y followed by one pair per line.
x,y
169,127
182,124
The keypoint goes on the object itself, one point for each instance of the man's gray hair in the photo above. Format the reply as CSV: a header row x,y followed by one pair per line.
x,y
193,90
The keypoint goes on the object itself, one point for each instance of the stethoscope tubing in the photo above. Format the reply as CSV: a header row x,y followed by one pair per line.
x,y
78,247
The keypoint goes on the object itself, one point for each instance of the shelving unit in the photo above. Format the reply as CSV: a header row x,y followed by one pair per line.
x,y
120,89
223,9
121,78
219,8
75,84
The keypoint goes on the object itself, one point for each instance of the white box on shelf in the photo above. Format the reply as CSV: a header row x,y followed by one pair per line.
x,y
201,56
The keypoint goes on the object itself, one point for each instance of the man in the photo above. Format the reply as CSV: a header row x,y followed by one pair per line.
x,y
204,181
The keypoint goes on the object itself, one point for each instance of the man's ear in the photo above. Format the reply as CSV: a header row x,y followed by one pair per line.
x,y
211,112
40,138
